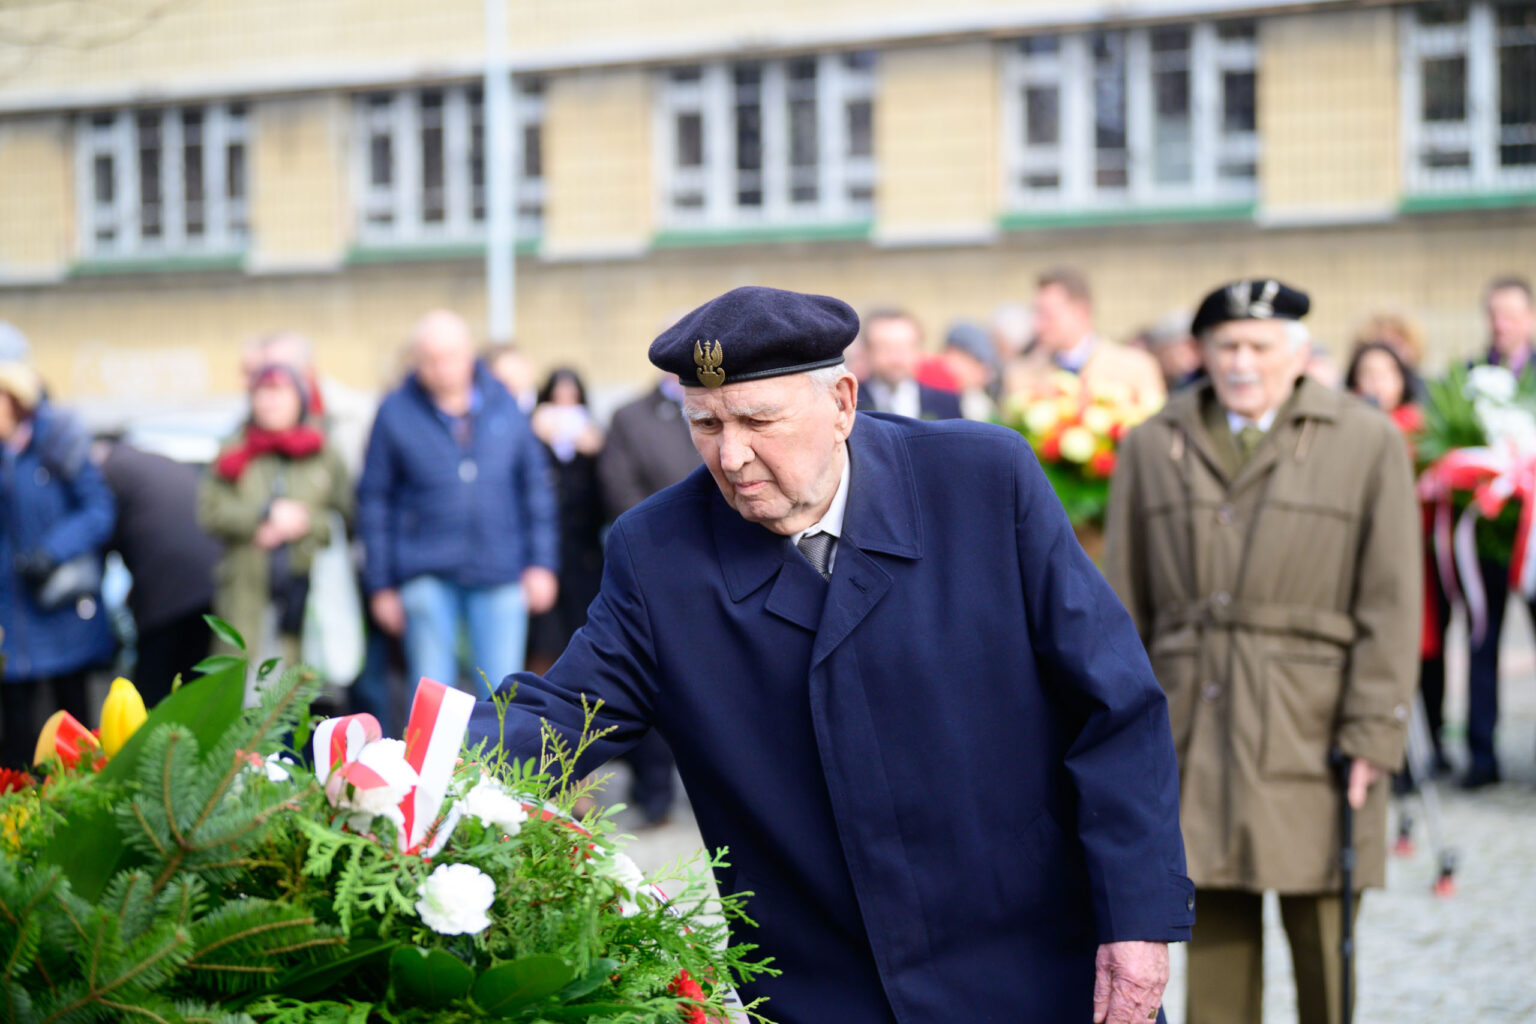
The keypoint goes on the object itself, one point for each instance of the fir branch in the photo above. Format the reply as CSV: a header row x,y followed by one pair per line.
x,y
96,993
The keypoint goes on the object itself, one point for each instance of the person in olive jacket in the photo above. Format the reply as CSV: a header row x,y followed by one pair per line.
x,y
268,498
1263,533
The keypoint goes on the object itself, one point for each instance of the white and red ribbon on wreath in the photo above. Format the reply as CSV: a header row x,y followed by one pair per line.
x,y
433,735
1492,476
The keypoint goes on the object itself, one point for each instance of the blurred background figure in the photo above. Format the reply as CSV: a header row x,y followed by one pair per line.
x,y
573,441
1397,332
456,514
515,370
268,499
1511,323
1322,368
170,557
56,516
648,449
1170,342
893,346
971,361
1378,374
343,413
1065,340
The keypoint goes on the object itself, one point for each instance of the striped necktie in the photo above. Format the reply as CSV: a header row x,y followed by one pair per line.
x,y
817,549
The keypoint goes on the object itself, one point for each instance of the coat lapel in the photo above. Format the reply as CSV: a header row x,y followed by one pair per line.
x,y
751,556
882,518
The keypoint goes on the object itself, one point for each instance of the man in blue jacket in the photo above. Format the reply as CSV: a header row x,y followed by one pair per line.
x,y
456,512
897,689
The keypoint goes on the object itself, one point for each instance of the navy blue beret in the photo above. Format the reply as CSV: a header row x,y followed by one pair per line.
x,y
1256,299
751,333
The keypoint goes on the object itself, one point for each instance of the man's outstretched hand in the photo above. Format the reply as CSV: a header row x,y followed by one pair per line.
x,y
1128,982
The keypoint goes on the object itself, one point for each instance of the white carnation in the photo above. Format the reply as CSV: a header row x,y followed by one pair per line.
x,y
495,807
625,875
455,898
386,759
1492,382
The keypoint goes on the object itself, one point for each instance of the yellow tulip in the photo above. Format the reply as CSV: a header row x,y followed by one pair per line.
x,y
1077,444
1098,419
1040,417
121,715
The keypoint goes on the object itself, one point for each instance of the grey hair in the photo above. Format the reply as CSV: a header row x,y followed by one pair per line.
x,y
825,379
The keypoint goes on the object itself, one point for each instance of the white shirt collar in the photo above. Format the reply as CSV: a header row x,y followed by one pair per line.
x,y
1264,422
832,522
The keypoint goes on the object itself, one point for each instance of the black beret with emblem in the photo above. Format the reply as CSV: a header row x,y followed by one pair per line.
x,y
1261,298
752,333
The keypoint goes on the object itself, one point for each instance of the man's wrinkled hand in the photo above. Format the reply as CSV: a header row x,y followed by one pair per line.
x,y
1363,775
1128,982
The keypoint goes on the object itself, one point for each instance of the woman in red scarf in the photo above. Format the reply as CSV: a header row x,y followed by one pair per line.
x,y
269,497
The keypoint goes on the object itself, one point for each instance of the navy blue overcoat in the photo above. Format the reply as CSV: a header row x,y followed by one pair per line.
x,y
947,774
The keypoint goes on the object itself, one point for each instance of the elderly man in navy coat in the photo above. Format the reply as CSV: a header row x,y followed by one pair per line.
x,y
898,691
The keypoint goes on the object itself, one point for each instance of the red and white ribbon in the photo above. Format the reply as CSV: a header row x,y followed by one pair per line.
x,y
434,734
1492,476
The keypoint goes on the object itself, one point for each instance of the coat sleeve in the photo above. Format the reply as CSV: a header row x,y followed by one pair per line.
x,y
92,516
224,513
375,491
540,507
1387,611
610,659
1119,748
1125,562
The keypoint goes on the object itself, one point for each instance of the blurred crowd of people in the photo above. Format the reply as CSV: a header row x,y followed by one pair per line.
x,y
476,493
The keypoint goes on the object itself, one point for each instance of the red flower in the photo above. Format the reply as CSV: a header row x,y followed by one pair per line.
x,y
13,781
1050,448
685,987
1102,464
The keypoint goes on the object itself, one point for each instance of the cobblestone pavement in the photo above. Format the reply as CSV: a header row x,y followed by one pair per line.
x,y
1422,958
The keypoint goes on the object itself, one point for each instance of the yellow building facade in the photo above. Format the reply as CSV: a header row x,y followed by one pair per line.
x,y
188,175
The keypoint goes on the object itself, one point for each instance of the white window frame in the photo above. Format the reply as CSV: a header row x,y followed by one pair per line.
x,y
711,96
1072,158
225,219
399,117
1480,133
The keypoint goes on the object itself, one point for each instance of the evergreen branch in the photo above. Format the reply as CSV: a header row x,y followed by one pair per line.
x,y
128,1008
165,792
335,940
143,824
232,968
254,930
95,994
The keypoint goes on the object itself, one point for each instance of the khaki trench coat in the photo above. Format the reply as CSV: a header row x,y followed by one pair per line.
x,y
1279,601
230,511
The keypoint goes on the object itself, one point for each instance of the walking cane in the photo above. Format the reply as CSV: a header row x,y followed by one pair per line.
x,y
1346,884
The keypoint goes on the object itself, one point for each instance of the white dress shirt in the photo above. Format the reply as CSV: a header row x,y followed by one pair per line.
x,y
832,522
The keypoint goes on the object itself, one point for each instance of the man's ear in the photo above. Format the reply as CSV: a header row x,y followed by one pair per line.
x,y
846,393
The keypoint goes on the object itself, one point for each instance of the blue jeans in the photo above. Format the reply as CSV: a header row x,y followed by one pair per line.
x,y
496,619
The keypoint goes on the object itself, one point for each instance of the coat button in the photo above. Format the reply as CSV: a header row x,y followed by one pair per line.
x,y
1189,904
1400,712
1211,693
1221,599
1225,515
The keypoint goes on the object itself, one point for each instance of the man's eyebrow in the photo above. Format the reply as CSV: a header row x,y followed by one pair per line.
x,y
744,412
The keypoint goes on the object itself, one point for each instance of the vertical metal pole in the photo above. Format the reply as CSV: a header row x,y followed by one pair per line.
x,y
500,179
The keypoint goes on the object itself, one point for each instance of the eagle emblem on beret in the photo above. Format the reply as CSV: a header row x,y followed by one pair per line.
x,y
707,357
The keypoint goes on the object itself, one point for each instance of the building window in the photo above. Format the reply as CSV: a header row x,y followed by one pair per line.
x,y
421,163
164,181
1469,95
1163,115
768,142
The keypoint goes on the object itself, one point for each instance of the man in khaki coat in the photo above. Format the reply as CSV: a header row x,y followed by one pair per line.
x,y
1263,534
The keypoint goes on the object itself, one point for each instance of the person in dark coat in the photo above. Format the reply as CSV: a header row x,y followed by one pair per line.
x,y
893,343
56,516
572,441
648,448
898,691
456,513
170,557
